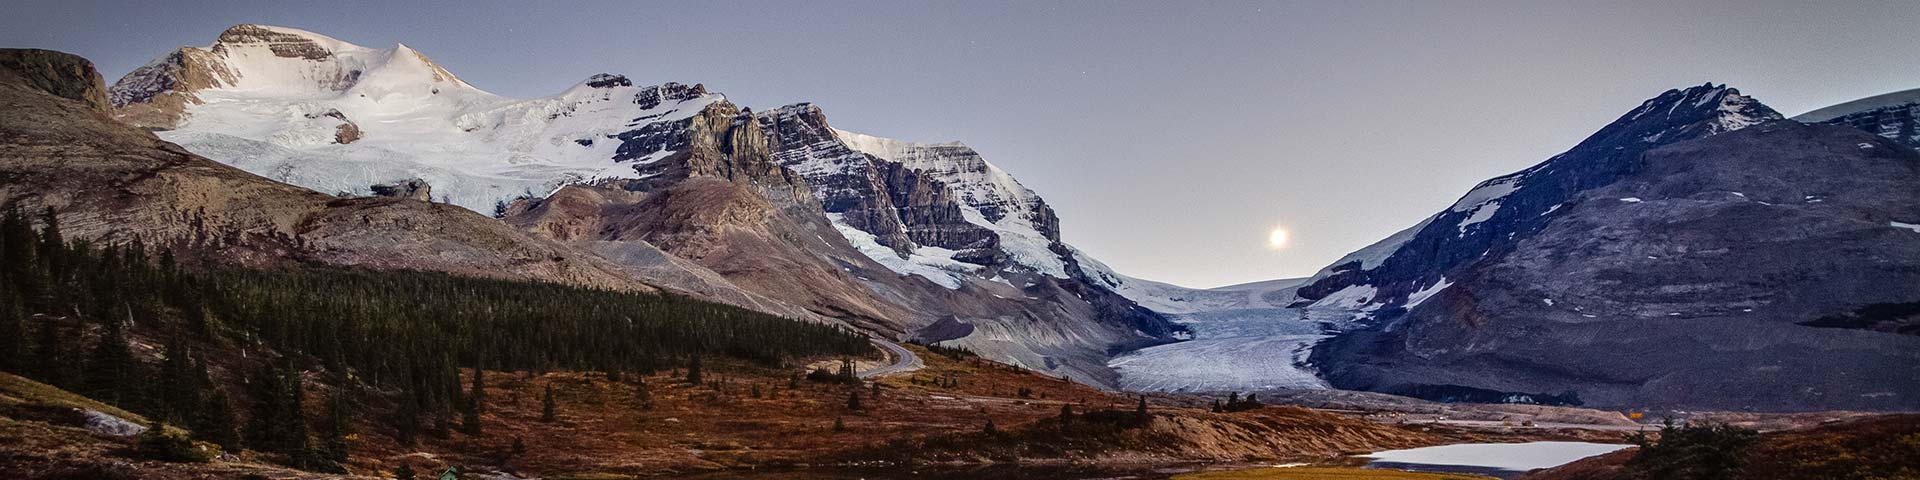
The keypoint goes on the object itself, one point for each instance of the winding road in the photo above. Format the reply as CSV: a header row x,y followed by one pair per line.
x,y
903,360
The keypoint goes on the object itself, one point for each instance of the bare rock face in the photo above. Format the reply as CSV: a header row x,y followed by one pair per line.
x,y
157,94
411,189
282,44
59,74
900,206
669,92
345,133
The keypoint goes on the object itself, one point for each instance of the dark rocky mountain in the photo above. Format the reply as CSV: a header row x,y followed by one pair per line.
x,y
1673,260
1895,116
1504,210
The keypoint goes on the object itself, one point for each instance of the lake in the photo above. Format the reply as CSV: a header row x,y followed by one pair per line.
x,y
1504,460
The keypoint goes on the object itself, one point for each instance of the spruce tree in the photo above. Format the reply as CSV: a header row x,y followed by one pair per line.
x,y
339,425
643,395
52,248
1141,410
13,334
294,417
853,401
476,399
263,431
112,374
547,406
693,370
214,421
404,472
178,386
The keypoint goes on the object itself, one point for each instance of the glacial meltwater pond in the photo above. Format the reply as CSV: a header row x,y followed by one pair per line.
x,y
1504,460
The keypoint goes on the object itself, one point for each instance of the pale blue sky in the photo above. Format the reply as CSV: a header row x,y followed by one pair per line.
x,y
1170,136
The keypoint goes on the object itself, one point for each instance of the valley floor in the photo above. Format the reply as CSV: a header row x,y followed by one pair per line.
x,y
957,416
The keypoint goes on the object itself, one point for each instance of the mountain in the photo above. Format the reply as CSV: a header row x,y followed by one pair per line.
x,y
1893,115
112,182
775,209
1699,252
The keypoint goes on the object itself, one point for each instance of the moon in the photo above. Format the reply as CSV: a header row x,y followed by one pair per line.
x,y
1277,239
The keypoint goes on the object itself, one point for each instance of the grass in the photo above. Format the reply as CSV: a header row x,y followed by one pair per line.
x,y
1324,473
15,390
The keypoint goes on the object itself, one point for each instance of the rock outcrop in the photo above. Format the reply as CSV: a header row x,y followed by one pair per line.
x,y
411,189
58,74
902,207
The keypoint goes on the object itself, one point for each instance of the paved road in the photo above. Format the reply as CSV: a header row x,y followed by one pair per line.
x,y
903,360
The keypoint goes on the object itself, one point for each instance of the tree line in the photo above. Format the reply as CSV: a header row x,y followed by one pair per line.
x,y
393,341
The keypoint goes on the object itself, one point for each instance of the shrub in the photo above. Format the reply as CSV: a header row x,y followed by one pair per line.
x,y
1687,451
159,444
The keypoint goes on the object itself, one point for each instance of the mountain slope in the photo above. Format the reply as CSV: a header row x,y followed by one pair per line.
x,y
111,181
1895,116
1506,209
1672,264
670,180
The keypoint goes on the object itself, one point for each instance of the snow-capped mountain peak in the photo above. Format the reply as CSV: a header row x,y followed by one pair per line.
x,y
280,61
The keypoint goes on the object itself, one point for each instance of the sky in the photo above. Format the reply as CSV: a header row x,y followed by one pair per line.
x,y
1170,137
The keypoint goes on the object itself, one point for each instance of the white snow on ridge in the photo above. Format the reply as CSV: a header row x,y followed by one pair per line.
x,y
933,263
1488,191
416,120
1909,226
1894,99
982,187
1416,298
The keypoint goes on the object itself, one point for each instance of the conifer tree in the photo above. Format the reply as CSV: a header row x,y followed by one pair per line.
x,y
547,406
853,401
643,395
13,334
52,247
693,370
1141,410
339,424
178,386
112,374
404,472
476,398
214,421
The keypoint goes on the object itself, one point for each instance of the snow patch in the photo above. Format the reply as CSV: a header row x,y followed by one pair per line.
x,y
1418,297
1909,226
933,263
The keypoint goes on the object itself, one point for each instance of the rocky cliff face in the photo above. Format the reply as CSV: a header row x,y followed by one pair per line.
x,y
54,73
1666,262
901,207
